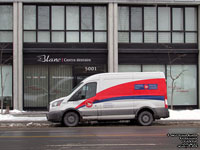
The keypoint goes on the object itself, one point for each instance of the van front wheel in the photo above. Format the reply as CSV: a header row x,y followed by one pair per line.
x,y
71,119
145,118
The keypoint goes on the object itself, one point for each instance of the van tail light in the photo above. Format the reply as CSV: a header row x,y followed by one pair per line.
x,y
166,105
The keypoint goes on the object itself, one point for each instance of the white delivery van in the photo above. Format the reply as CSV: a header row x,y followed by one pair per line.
x,y
114,96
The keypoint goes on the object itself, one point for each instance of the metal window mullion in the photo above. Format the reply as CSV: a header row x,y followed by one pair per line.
x,y
184,31
79,24
171,24
143,24
36,23
65,23
93,24
129,24
50,22
157,23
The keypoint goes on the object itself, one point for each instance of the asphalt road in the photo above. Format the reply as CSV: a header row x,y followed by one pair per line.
x,y
100,138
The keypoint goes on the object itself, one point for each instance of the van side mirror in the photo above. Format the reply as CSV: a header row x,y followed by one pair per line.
x,y
82,96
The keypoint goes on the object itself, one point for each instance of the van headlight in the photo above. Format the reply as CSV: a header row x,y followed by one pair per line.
x,y
57,103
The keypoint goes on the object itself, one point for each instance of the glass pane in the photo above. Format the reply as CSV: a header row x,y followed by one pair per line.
x,y
86,18
164,18
43,17
29,17
190,19
72,14
7,83
6,36
191,37
177,18
91,90
61,81
136,37
100,37
153,68
57,17
136,18
35,86
149,18
150,37
100,18
6,17
58,37
164,37
177,37
129,68
185,87
72,36
29,36
123,37
123,18
43,36
86,37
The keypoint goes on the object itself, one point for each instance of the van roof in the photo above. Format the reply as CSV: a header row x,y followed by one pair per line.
x,y
137,75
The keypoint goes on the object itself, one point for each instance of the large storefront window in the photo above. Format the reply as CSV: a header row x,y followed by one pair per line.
x,y
6,23
185,87
7,85
150,24
65,24
44,83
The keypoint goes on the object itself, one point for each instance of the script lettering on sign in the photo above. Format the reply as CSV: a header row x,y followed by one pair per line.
x,y
49,59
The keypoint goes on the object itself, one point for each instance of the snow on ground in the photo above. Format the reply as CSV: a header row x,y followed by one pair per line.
x,y
184,115
174,115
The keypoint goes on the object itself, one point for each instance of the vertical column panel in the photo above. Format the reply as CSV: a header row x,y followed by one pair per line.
x,y
15,57
20,56
110,37
199,54
115,38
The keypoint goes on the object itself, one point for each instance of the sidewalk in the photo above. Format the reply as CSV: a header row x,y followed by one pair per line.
x,y
38,119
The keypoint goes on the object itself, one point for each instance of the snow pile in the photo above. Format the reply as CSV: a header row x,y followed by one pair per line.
x,y
17,115
184,115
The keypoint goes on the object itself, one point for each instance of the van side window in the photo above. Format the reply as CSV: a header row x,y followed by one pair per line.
x,y
87,91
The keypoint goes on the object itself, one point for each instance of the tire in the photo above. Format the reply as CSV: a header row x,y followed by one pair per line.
x,y
71,119
145,118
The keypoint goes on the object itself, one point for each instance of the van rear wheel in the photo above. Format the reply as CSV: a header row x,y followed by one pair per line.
x,y
145,118
71,119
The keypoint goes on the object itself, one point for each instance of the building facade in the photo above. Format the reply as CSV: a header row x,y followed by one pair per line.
x,y
47,47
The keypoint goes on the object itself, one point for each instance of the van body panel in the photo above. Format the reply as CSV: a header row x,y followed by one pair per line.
x,y
118,96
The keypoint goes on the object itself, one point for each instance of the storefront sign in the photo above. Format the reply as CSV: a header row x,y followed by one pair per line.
x,y
49,59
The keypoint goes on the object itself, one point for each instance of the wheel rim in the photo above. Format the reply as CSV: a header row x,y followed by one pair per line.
x,y
145,119
71,119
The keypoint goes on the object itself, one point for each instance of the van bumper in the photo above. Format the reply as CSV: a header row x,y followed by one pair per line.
x,y
161,113
54,116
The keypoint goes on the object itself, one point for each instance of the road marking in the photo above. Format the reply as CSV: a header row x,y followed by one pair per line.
x,y
94,145
87,135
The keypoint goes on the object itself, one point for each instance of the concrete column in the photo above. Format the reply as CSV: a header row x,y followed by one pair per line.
x,y
110,37
198,56
115,39
20,56
17,56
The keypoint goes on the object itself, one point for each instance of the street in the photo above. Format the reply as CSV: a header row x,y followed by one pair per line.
x,y
98,137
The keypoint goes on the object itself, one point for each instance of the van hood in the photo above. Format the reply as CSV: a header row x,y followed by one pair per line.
x,y
61,98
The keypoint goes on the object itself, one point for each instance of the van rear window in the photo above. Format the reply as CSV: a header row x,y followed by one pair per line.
x,y
146,86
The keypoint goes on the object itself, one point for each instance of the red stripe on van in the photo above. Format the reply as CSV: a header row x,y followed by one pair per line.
x,y
127,89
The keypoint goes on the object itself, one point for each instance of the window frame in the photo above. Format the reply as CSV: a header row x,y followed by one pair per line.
x,y
157,31
65,31
8,30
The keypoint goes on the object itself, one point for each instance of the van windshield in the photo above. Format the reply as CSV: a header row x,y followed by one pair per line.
x,y
75,87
